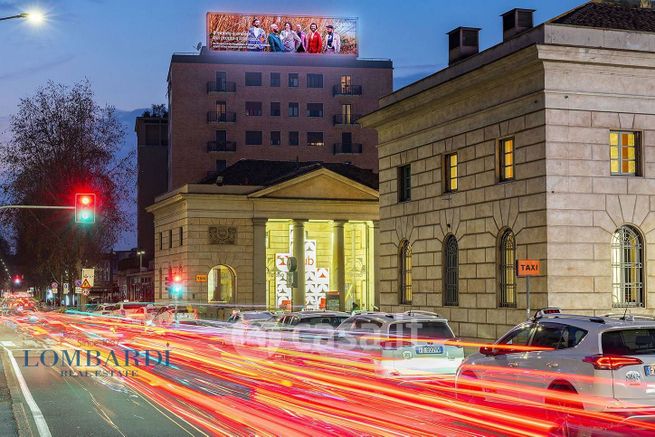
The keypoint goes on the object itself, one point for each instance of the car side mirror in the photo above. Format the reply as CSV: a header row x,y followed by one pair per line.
x,y
487,350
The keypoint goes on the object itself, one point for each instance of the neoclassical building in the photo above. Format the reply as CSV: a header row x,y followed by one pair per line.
x,y
541,147
229,237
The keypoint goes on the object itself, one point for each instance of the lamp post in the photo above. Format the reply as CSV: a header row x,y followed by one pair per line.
x,y
141,253
34,17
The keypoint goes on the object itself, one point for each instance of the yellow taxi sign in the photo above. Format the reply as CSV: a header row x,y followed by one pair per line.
x,y
528,267
201,278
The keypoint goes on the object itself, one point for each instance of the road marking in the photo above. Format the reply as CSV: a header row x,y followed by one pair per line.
x,y
41,424
7,343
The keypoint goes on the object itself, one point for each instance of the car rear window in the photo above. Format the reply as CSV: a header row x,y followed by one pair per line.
x,y
424,329
629,342
257,316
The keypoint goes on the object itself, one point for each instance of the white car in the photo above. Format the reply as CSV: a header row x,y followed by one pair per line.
x,y
410,344
604,364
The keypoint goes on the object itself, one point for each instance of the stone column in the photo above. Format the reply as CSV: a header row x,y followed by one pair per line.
x,y
259,291
338,275
374,268
299,254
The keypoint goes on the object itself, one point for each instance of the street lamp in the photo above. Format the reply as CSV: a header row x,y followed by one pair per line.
x,y
141,253
35,17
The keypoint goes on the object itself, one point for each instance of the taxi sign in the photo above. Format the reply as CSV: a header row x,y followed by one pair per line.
x,y
201,278
528,267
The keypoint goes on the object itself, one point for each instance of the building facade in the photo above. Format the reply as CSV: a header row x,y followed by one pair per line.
x,y
542,147
226,106
229,240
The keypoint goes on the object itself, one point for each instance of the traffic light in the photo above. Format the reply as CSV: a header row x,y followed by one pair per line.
x,y
85,208
175,286
17,279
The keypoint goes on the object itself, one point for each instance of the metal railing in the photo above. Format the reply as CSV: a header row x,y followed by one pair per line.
x,y
221,117
347,90
227,146
346,148
341,119
221,87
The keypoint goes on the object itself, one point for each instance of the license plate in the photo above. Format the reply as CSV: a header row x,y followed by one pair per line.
x,y
649,370
429,350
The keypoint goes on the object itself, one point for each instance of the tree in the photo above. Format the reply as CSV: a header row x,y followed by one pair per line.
x,y
62,142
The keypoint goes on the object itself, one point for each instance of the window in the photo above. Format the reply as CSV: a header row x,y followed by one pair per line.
x,y
506,159
405,183
346,114
345,83
253,138
275,79
635,341
314,80
254,109
405,272
253,79
170,238
556,336
294,138
315,139
221,164
293,80
451,172
507,272
275,109
314,110
624,153
451,272
294,109
161,241
627,268
423,329
517,337
275,138
181,232
221,284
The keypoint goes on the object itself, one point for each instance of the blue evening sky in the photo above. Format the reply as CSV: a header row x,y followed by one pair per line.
x,y
124,46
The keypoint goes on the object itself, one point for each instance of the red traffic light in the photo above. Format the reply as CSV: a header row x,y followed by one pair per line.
x,y
85,207
177,278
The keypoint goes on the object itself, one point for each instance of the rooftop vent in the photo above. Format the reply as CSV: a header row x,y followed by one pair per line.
x,y
516,21
463,42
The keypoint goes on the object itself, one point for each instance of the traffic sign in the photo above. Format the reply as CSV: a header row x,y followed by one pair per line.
x,y
66,288
86,283
85,291
54,285
78,290
528,267
201,278
88,276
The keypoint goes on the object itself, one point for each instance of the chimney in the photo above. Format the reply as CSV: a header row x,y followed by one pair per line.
x,y
463,42
516,21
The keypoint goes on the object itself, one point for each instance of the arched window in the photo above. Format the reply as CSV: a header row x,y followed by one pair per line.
x,y
405,272
451,272
506,270
221,284
627,268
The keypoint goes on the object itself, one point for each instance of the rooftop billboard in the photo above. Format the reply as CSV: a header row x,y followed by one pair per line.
x,y
281,34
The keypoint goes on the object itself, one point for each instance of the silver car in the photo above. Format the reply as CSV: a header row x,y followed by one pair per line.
x,y
604,364
409,344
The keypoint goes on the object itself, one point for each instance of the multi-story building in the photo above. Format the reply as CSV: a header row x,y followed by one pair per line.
x,y
227,106
541,147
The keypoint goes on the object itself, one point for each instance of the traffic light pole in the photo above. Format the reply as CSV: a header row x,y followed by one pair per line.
x,y
35,207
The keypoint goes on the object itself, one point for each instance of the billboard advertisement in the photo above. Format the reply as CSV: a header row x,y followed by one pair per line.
x,y
281,34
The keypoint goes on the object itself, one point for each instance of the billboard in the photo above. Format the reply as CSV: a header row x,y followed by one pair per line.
x,y
281,34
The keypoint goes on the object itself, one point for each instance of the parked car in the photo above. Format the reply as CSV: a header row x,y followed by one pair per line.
x,y
312,325
593,363
413,343
251,318
171,313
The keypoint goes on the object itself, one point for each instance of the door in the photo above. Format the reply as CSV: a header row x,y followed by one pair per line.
x,y
346,114
346,82
221,138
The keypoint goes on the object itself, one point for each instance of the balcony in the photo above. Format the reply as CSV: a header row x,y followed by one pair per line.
x,y
347,149
222,87
347,90
221,117
226,146
346,120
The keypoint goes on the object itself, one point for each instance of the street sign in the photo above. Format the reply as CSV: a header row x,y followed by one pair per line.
x,y
528,267
54,285
66,288
78,290
88,276
78,282
201,278
86,291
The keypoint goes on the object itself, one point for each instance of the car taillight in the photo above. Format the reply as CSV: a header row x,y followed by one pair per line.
x,y
395,344
611,362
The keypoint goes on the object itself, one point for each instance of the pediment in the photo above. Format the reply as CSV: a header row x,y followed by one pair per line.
x,y
319,184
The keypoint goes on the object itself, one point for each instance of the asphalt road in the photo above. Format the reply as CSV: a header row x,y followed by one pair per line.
x,y
89,405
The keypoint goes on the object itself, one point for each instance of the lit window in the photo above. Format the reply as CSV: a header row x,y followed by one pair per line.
x,y
221,284
451,172
451,272
627,268
507,272
506,154
624,153
405,272
315,139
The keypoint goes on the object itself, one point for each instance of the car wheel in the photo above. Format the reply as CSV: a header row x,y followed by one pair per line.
x,y
563,419
468,385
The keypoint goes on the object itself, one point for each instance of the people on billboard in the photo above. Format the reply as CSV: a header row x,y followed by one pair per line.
x,y
332,40
290,40
256,37
314,41
274,41
302,46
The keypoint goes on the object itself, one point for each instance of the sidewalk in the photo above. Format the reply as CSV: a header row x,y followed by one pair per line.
x,y
8,425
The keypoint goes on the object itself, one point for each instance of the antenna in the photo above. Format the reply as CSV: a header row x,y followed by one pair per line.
x,y
625,312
